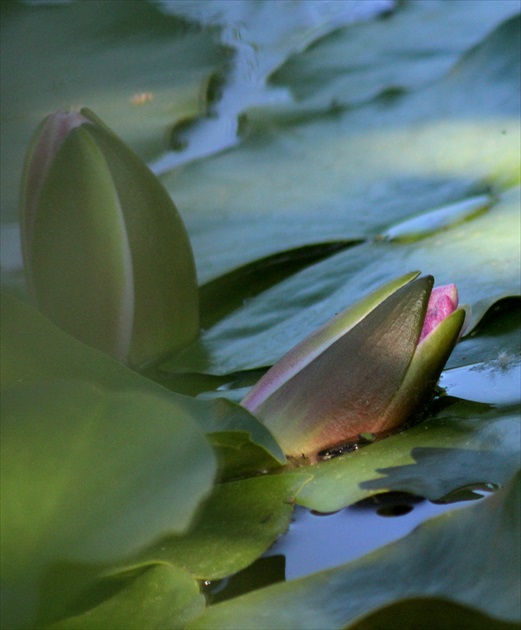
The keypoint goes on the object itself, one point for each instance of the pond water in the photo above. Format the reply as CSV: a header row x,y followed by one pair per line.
x,y
497,382
316,542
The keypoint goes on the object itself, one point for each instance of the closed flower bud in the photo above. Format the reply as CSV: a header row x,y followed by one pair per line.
x,y
106,253
366,371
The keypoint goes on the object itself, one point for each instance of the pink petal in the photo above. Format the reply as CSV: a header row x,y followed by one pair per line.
x,y
442,303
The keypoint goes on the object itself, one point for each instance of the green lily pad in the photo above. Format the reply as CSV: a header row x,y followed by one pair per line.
x,y
82,466
301,179
283,315
496,339
416,44
465,443
337,597
35,350
162,596
238,522
236,525
120,59
414,613
242,443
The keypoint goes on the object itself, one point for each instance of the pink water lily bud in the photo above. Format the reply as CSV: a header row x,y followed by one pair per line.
x,y
106,254
367,371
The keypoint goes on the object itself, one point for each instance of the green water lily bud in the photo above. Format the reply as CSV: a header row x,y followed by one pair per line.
x,y
106,253
367,371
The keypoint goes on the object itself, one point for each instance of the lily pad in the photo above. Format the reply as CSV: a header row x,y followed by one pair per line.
x,y
262,36
413,613
82,466
122,60
242,443
35,350
465,443
236,525
496,339
337,597
416,44
302,179
258,333
162,596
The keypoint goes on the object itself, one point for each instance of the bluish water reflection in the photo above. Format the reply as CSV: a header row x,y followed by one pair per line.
x,y
314,543
497,382
261,36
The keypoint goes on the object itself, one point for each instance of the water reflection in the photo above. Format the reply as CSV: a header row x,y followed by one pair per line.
x,y
261,36
497,381
314,542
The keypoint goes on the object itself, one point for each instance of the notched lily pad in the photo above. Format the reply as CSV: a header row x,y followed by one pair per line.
x,y
338,597
464,444
350,174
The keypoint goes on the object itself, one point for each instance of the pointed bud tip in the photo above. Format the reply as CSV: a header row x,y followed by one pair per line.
x,y
46,143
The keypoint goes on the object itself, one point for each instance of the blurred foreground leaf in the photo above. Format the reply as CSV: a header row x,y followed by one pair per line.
x,y
162,596
235,526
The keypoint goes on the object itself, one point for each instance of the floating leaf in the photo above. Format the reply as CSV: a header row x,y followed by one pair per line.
x,y
161,596
82,466
237,524
298,179
497,337
337,597
242,443
414,613
415,45
463,444
262,330
120,60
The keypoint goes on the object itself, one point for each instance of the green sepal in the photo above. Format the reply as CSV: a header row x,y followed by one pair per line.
x,y
106,253
425,369
304,352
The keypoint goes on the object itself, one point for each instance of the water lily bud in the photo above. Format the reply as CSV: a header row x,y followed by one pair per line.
x,y
367,371
106,253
